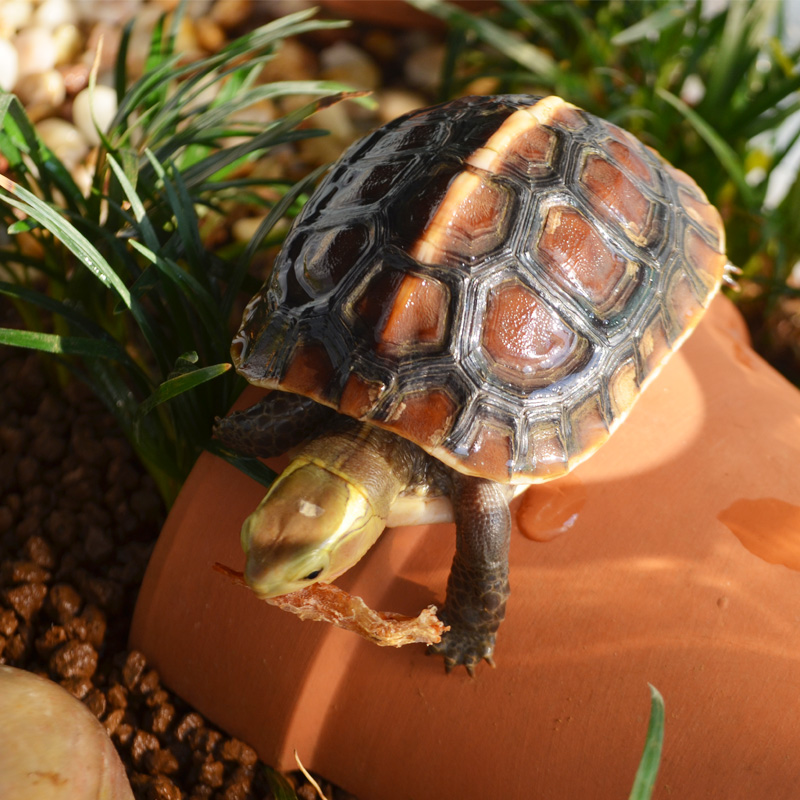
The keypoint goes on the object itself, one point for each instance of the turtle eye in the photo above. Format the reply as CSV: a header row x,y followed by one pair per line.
x,y
312,575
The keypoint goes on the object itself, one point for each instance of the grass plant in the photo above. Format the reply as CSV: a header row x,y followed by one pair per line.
x,y
117,283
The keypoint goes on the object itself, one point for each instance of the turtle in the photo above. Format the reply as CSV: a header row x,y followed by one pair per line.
x,y
469,304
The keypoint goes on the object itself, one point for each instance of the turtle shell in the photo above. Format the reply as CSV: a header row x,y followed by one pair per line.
x,y
494,278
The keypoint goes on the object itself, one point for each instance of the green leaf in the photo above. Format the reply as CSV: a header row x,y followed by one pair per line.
x,y
645,779
180,384
651,26
537,60
63,345
251,467
721,149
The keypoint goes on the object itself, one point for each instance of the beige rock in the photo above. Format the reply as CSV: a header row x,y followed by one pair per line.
x,y
64,139
93,109
36,50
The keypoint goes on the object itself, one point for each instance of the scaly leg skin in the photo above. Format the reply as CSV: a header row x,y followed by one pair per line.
x,y
278,422
477,589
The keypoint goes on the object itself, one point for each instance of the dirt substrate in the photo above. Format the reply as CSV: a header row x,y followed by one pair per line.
x,y
78,520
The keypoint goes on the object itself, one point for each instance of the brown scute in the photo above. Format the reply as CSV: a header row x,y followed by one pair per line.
x,y
589,426
521,145
653,345
424,417
579,259
378,292
527,343
471,222
707,264
565,115
546,454
359,396
490,454
309,371
615,197
417,315
623,388
628,159
685,307
705,215
334,255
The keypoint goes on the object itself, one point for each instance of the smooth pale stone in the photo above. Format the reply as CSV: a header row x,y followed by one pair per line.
x,y
14,15
392,103
69,43
36,50
52,13
94,107
51,746
42,90
349,64
9,62
64,139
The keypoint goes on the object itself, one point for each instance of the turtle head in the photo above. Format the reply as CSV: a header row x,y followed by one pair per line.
x,y
313,525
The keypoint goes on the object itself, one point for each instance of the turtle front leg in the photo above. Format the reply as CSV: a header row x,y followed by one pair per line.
x,y
275,424
477,589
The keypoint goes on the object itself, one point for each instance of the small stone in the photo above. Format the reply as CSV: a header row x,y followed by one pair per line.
x,y
14,15
40,551
27,599
64,139
26,572
12,439
94,107
118,697
48,448
64,602
8,622
68,42
349,64
95,622
238,752
95,701
423,68
162,718
133,668
36,51
27,471
392,103
230,13
77,685
190,723
111,722
52,13
98,544
61,526
158,762
211,772
74,660
76,77
6,519
50,640
210,35
149,682
162,788
142,743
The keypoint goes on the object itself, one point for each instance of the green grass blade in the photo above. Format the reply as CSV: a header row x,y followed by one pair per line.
x,y
537,60
721,149
20,198
645,779
652,25
251,467
180,384
63,345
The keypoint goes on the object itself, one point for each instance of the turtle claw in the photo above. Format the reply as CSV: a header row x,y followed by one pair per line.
x,y
464,648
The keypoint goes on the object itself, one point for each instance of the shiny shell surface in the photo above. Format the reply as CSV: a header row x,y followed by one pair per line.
x,y
494,278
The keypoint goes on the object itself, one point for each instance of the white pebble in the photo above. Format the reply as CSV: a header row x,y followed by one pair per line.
x,y
36,50
8,65
349,64
14,15
423,68
94,108
42,91
52,13
68,42
64,139
394,102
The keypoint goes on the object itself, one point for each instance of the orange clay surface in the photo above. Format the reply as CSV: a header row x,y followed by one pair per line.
x,y
669,557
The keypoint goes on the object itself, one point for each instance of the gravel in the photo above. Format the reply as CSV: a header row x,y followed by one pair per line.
x,y
78,520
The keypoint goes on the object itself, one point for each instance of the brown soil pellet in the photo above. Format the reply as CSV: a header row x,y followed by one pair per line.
x,y
74,660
